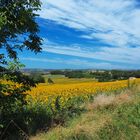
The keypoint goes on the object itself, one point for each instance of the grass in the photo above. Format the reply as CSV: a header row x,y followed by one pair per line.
x,y
112,117
61,79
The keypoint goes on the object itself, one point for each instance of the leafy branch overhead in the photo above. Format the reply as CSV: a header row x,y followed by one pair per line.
x,y
18,28
18,31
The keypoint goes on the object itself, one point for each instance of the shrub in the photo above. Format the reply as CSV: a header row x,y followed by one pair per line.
x,y
50,81
37,77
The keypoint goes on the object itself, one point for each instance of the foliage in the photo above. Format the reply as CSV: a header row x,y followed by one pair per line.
x,y
19,30
11,108
101,75
13,84
37,77
57,72
12,74
36,116
29,118
15,65
2,19
50,81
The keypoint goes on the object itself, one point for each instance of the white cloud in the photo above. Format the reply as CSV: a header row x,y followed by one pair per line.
x,y
40,59
76,63
119,17
116,23
111,54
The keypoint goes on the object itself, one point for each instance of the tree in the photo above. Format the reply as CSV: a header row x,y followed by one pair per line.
x,y
18,31
18,28
2,19
37,77
50,81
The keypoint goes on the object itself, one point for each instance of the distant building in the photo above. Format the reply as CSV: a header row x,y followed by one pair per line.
x,y
132,78
101,71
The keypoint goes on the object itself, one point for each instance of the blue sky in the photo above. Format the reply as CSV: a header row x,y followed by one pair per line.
x,y
98,34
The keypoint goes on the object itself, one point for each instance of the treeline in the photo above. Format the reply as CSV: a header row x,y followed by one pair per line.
x,y
101,75
72,73
115,75
37,77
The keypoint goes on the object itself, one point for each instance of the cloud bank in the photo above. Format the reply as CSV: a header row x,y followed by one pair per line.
x,y
114,22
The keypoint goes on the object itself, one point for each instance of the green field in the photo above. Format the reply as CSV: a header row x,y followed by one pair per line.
x,y
61,79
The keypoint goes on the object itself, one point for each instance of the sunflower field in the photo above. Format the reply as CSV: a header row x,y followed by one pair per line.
x,y
65,93
51,104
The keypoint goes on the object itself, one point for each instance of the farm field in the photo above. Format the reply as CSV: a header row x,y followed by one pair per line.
x,y
63,93
51,105
61,79
114,117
